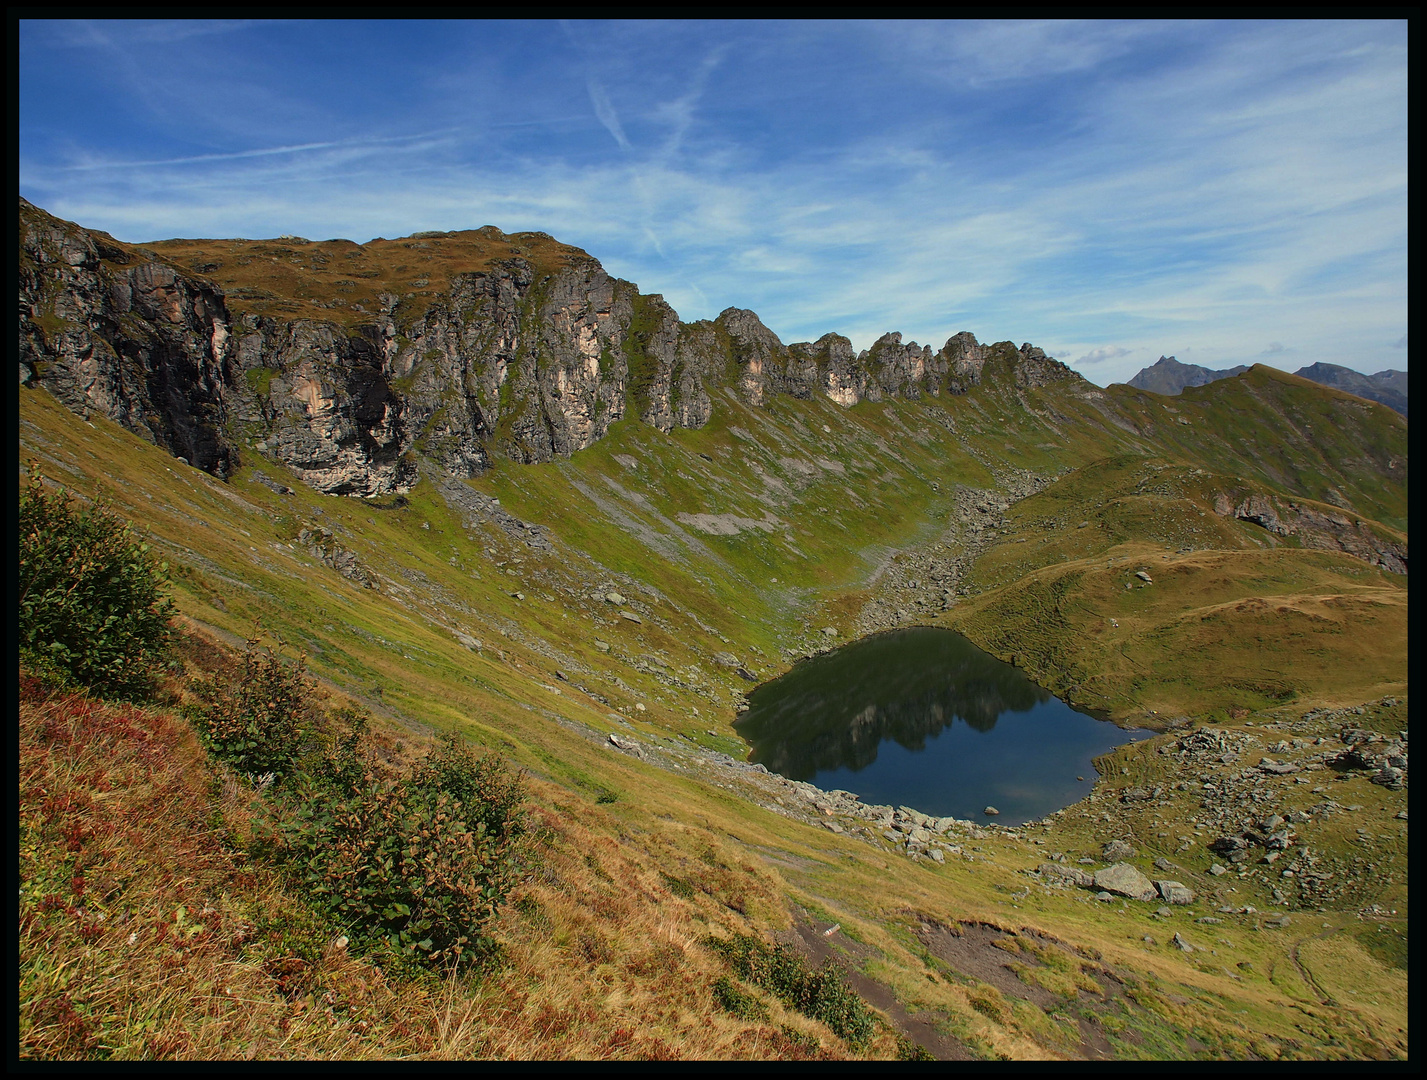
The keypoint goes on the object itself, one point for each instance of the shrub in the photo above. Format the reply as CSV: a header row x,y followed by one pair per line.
x,y
414,867
821,994
92,601
731,999
263,721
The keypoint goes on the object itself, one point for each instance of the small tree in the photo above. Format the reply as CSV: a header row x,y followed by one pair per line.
x,y
263,722
418,865
93,602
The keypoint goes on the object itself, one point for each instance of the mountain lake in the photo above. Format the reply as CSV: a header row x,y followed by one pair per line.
x,y
923,718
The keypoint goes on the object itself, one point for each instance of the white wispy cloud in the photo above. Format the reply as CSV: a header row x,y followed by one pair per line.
x,y
605,112
1100,355
1200,196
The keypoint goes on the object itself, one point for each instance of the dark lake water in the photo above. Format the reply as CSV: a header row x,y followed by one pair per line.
x,y
923,718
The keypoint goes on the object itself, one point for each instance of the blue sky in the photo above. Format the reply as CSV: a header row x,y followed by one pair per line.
x,y
1223,192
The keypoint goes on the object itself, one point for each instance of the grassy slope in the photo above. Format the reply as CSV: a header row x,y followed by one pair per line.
x,y
1233,617
341,281
704,594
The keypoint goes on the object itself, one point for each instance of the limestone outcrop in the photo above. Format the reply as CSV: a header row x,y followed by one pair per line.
x,y
1321,527
521,358
134,339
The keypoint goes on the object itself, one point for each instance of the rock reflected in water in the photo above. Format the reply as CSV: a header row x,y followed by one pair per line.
x,y
922,717
835,710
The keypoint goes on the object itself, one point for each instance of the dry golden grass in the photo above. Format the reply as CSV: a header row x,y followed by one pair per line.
x,y
341,281
147,932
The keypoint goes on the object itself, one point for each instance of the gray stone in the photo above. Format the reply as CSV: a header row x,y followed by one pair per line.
x,y
1179,943
1277,768
615,598
1118,851
1071,874
991,811
1175,892
937,855
624,743
631,616
1389,777
1163,864
1124,880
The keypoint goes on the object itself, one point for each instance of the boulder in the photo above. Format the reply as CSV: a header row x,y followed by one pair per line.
x,y
1073,874
626,744
1123,879
1390,777
1175,892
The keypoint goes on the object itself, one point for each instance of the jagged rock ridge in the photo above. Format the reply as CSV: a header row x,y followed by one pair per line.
x,y
529,361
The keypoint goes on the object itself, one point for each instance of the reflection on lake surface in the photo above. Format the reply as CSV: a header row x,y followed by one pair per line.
x,y
923,718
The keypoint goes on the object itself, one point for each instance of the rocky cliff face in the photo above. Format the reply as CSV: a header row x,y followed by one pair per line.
x,y
1317,527
134,339
508,360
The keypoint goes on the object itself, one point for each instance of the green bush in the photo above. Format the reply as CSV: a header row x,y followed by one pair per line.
x,y
263,722
415,867
729,997
821,994
93,603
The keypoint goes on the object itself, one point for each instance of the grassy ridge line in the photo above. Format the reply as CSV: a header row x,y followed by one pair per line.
x,y
1235,617
1283,431
1215,631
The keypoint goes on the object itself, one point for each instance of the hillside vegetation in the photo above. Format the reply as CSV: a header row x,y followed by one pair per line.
x,y
445,611
462,559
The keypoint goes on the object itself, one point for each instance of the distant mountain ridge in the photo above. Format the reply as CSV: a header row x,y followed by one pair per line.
x,y
1385,387
1168,376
